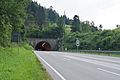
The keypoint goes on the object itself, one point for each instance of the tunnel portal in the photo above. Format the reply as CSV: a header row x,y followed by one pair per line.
x,y
43,46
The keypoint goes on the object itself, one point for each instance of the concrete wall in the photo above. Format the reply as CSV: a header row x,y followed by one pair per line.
x,y
35,41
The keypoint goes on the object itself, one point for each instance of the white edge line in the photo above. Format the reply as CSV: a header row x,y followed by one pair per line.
x,y
108,71
51,67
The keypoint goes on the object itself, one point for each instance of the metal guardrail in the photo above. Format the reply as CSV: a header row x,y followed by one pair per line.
x,y
100,51
95,51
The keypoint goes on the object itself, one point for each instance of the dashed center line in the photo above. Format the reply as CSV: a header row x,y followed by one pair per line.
x,y
109,72
66,59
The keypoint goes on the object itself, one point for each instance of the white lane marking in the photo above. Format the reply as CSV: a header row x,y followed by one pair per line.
x,y
101,59
66,59
51,67
108,71
110,65
53,54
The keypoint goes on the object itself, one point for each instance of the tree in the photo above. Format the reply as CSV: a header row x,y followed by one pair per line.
x,y
36,14
5,31
76,24
60,21
66,20
85,26
93,27
52,15
40,16
100,27
53,31
12,17
61,24
117,26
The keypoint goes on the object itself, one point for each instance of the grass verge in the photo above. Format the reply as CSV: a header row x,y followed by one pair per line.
x,y
19,63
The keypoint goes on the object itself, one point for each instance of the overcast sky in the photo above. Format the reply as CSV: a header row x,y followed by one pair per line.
x,y
105,12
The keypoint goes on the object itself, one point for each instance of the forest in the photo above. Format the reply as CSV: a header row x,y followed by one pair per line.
x,y
21,19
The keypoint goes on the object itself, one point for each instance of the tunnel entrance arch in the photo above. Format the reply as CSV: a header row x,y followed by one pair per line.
x,y
43,46
52,42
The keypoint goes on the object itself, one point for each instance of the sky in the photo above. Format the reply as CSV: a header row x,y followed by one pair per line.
x,y
105,12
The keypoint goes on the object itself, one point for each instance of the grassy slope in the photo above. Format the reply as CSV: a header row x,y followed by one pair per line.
x,y
22,65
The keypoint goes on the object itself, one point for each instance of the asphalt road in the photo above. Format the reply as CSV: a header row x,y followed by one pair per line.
x,y
74,66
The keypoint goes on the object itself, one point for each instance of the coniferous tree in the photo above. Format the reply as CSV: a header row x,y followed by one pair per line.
x,y
76,24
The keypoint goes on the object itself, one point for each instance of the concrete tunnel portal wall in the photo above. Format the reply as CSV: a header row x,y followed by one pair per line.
x,y
43,46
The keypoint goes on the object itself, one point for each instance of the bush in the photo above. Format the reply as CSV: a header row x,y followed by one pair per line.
x,y
106,40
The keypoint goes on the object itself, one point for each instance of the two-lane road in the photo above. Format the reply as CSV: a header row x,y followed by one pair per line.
x,y
72,66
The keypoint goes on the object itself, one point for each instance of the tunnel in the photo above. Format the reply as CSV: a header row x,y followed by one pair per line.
x,y
43,46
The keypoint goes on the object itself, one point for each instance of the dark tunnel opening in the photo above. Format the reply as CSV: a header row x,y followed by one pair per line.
x,y
43,46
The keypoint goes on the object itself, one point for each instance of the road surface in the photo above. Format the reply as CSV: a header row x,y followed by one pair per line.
x,y
74,66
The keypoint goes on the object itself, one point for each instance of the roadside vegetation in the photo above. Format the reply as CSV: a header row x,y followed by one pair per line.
x,y
21,21
20,63
49,24
103,40
95,53
102,54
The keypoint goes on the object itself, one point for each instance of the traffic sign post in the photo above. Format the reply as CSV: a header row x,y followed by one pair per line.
x,y
77,43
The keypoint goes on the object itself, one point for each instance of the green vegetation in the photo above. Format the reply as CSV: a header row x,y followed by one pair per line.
x,y
12,16
94,52
102,54
42,21
105,40
30,19
76,24
19,63
21,19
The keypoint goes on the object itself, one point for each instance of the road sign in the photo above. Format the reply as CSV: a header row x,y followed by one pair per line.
x,y
77,42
